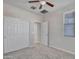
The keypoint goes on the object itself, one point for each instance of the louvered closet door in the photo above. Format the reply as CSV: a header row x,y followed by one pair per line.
x,y
16,34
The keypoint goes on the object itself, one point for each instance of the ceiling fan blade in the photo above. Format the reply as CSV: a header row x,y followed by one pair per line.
x,y
40,7
33,1
49,4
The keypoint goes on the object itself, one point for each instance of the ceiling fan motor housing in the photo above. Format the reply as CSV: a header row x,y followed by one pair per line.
x,y
42,2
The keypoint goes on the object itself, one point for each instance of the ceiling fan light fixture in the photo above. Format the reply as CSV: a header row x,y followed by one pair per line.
x,y
42,2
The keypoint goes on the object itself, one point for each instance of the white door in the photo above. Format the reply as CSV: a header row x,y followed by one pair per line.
x,y
44,33
16,34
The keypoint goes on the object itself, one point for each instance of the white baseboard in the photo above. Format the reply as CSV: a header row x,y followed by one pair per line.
x,y
64,50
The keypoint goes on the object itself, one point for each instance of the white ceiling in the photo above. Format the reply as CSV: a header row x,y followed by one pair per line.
x,y
27,6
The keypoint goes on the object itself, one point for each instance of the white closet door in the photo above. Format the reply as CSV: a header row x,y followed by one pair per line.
x,y
44,33
16,34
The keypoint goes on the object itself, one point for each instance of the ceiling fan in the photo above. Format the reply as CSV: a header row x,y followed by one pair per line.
x,y
42,2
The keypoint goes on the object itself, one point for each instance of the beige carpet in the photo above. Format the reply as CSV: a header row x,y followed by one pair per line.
x,y
38,52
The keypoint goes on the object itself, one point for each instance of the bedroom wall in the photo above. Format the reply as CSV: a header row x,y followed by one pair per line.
x,y
56,30
18,16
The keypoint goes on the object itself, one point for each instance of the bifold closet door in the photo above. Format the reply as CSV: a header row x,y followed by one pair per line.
x,y
16,34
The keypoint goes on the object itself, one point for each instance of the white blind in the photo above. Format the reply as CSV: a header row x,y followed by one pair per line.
x,y
69,24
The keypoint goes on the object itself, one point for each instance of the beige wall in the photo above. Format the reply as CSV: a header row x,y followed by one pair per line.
x,y
56,30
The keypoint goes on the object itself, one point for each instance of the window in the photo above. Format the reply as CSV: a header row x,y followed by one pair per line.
x,y
69,24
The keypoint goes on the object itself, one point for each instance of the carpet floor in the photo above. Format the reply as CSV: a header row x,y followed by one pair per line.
x,y
38,52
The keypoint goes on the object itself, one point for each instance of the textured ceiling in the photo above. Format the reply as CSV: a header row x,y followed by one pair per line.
x,y
27,6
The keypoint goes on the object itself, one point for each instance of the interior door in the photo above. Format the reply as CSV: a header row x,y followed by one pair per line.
x,y
44,33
